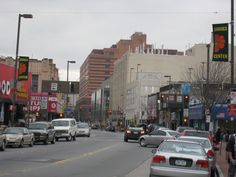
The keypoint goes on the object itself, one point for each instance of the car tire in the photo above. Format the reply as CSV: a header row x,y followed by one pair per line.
x,y
88,135
46,141
213,171
69,138
2,148
56,138
142,143
21,145
126,139
31,143
74,137
53,140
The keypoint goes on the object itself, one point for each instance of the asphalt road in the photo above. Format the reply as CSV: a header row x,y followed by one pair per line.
x,y
104,154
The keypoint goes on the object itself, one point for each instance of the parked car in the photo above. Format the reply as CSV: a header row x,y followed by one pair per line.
x,y
198,133
157,136
83,129
18,136
3,141
65,128
175,158
133,133
110,128
43,132
205,142
180,129
94,126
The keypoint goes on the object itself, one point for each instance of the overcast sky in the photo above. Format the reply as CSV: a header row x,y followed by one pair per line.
x,y
69,29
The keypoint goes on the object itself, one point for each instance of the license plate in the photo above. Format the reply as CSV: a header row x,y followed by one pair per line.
x,y
135,132
180,162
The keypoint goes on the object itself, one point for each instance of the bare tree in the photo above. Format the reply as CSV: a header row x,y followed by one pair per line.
x,y
212,92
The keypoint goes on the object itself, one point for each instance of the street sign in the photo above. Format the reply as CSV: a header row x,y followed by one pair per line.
x,y
231,109
186,88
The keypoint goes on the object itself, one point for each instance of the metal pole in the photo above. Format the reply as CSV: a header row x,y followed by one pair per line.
x,y
208,64
232,41
67,93
15,76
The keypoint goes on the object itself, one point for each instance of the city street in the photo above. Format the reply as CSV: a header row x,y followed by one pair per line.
x,y
104,154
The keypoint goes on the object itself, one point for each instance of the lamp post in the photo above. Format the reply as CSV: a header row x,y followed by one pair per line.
x,y
68,85
16,66
137,70
130,74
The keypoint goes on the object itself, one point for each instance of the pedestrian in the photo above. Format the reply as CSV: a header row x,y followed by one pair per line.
x,y
231,149
218,136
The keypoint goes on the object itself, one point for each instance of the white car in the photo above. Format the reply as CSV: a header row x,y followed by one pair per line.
x,y
83,129
65,128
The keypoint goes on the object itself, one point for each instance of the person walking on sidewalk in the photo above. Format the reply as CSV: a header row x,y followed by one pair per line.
x,y
231,149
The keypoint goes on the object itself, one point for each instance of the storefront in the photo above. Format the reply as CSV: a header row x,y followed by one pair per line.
x,y
6,94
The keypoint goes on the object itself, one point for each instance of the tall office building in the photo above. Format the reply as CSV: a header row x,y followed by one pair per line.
x,y
99,66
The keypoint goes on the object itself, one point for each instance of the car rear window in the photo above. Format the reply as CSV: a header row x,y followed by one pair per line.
x,y
196,133
182,148
60,123
136,128
205,143
175,134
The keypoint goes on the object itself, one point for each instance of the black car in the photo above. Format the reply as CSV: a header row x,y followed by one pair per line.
x,y
43,132
110,128
133,133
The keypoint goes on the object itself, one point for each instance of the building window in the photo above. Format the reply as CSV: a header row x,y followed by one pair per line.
x,y
35,79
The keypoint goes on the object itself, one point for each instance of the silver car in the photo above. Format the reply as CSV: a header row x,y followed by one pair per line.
x,y
175,158
83,129
18,136
157,136
205,142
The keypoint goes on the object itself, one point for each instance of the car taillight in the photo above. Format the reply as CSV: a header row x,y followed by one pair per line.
x,y
210,153
202,163
142,132
158,159
128,131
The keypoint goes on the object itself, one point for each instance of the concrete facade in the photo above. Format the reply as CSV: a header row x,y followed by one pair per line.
x,y
136,75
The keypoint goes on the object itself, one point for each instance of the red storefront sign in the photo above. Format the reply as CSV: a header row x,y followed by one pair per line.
x,y
43,101
7,83
231,109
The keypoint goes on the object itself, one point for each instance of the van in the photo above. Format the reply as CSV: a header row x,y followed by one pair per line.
x,y
65,128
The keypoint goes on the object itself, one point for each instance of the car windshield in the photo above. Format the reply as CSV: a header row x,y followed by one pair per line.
x,y
13,131
81,125
60,123
205,143
38,126
182,148
136,128
197,133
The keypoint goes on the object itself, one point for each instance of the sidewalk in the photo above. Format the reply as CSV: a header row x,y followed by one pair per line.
x,y
221,161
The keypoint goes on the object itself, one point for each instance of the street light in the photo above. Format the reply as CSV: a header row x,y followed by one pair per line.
x,y
68,85
16,63
130,74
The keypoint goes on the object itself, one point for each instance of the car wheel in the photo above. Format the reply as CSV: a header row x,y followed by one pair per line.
x,y
56,139
213,171
46,141
2,148
88,135
125,139
74,137
69,138
53,140
21,145
31,143
142,142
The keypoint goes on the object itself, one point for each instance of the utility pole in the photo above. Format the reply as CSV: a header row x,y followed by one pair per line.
x,y
232,42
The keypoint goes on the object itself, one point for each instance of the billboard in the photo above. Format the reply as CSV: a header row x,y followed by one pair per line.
x,y
220,42
23,68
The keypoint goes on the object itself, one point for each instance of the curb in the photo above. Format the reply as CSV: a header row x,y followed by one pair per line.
x,y
218,171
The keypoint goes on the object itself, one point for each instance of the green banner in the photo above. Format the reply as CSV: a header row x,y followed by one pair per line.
x,y
220,42
23,68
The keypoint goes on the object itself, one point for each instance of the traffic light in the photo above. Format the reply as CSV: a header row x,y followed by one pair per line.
x,y
186,101
185,121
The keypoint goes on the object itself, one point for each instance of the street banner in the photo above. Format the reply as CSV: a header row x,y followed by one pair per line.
x,y
23,68
220,42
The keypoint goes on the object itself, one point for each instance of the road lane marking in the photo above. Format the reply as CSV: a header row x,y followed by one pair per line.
x,y
58,163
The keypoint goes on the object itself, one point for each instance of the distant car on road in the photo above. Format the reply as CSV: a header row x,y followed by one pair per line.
x,y
18,136
3,141
65,128
176,158
180,129
133,133
157,136
110,128
43,132
83,129
94,126
198,133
